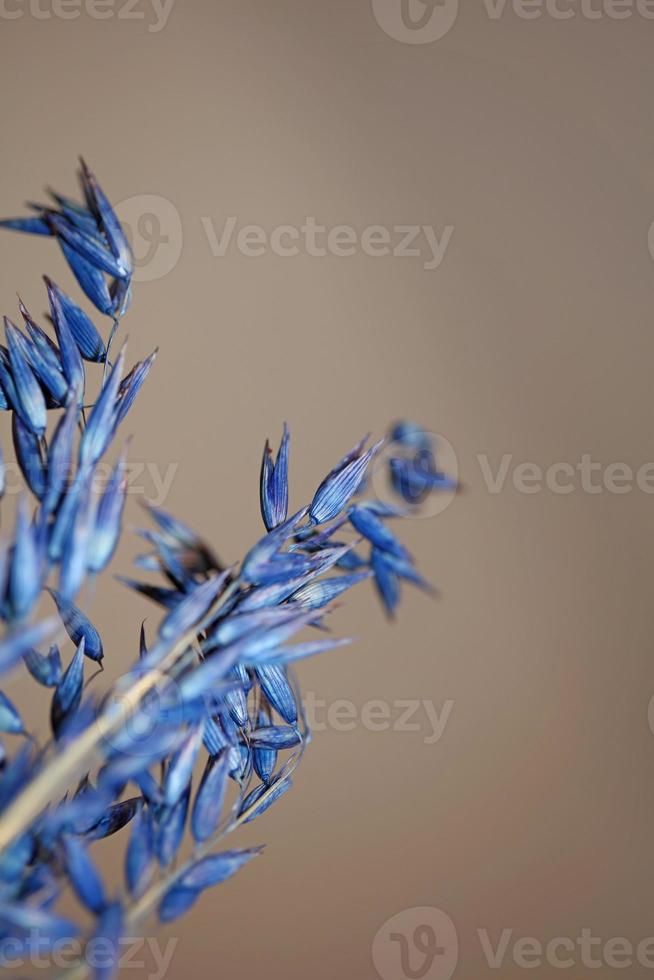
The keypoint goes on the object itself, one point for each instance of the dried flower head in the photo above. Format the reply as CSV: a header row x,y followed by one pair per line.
x,y
204,731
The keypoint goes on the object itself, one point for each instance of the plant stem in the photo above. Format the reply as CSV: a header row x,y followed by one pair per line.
x,y
145,905
114,328
79,756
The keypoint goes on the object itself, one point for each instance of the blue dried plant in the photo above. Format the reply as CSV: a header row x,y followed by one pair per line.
x,y
204,731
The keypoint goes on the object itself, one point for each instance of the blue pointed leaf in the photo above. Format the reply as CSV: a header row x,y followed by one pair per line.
x,y
276,737
140,852
340,486
88,247
28,456
317,594
22,919
116,817
214,740
120,291
71,359
263,797
279,692
60,457
387,582
84,331
109,221
274,484
216,868
300,651
107,934
210,798
170,830
15,858
83,875
130,389
176,902
108,520
30,400
100,426
194,607
180,770
371,527
410,434
414,478
33,226
10,720
46,670
68,693
74,560
27,567
44,365
14,645
90,279
264,760
405,569
78,626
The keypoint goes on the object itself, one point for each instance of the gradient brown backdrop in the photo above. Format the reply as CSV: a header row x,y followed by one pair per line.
x,y
533,338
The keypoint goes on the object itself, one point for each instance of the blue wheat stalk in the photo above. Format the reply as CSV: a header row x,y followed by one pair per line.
x,y
205,730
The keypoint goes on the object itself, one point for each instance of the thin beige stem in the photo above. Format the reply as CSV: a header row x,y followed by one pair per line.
x,y
146,904
80,755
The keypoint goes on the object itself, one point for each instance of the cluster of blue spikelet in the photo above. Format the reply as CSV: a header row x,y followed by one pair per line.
x,y
204,731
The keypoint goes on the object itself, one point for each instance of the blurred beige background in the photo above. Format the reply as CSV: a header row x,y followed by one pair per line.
x,y
530,340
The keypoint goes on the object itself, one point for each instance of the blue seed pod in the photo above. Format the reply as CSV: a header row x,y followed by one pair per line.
x,y
78,626
68,692
180,770
140,852
46,670
10,721
83,875
210,798
279,692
